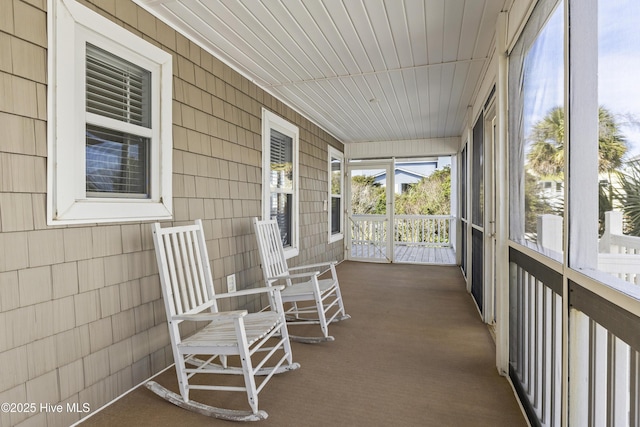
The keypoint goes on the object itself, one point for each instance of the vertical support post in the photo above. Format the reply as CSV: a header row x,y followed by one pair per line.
x,y
550,232
468,192
613,222
612,225
581,188
502,209
451,232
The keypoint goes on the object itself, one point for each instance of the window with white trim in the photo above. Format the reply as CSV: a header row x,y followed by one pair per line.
x,y
336,189
110,121
280,199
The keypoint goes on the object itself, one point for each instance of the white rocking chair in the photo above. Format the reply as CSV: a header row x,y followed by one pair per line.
x,y
187,289
323,296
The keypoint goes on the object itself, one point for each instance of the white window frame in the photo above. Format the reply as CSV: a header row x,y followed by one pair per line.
x,y
272,121
335,154
71,27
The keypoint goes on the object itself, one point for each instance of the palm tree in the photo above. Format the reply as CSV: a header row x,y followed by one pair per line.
x,y
611,143
546,155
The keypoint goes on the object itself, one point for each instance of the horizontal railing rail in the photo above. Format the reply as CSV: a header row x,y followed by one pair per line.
x,y
623,266
628,244
613,239
619,253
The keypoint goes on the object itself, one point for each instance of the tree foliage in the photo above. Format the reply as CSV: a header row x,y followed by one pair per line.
x,y
429,196
546,155
367,196
628,194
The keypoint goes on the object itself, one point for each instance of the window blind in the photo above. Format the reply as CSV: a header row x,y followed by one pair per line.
x,y
281,159
117,88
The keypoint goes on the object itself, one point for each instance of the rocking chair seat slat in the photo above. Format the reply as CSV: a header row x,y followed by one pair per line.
x,y
306,289
256,325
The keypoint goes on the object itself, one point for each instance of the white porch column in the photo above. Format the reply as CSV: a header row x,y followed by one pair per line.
x,y
502,193
550,229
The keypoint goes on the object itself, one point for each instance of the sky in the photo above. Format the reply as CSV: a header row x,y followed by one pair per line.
x,y
618,67
619,64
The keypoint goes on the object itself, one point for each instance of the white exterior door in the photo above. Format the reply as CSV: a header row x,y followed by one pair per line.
x,y
370,211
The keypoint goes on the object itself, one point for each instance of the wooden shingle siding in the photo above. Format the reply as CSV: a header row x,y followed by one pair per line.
x,y
81,315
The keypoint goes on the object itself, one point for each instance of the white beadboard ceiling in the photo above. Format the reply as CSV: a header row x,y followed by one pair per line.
x,y
364,70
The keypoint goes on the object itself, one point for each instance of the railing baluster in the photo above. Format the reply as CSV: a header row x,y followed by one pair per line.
x,y
556,383
527,333
634,388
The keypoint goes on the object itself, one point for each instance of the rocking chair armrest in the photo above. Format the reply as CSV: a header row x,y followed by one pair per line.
x,y
251,291
321,264
207,316
292,276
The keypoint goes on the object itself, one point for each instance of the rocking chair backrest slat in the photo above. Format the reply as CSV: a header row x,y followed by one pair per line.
x,y
271,249
199,268
170,284
194,274
184,272
186,279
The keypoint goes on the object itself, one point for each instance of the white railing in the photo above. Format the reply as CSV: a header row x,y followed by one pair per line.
x,y
369,236
603,342
370,233
417,230
619,253
423,230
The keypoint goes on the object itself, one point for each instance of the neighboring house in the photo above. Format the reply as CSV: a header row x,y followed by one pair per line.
x,y
552,192
403,179
409,172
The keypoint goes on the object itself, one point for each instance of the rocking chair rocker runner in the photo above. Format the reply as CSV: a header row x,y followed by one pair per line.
x,y
322,296
187,289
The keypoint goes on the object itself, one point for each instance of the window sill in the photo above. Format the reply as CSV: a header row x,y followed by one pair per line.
x,y
90,212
